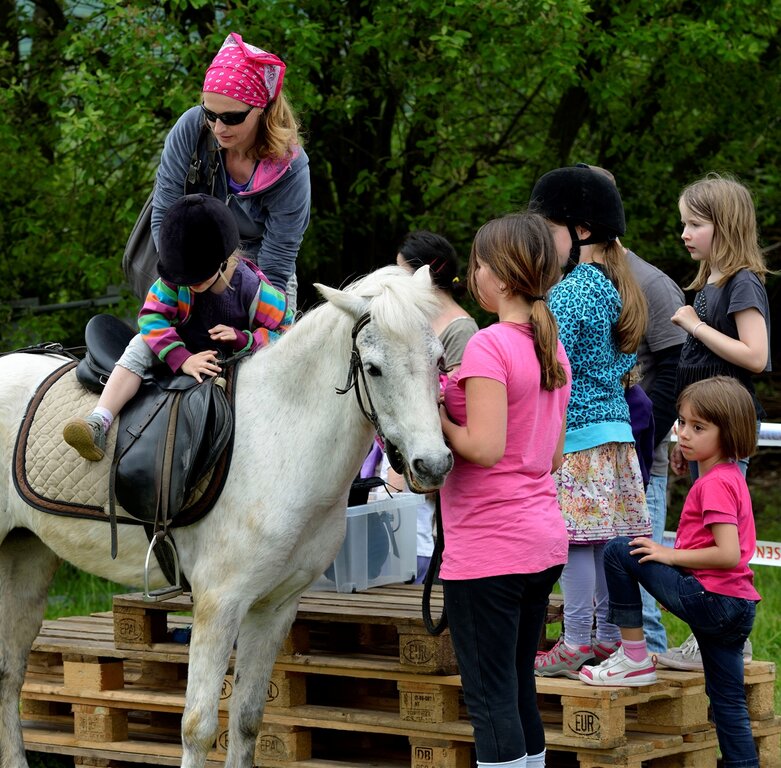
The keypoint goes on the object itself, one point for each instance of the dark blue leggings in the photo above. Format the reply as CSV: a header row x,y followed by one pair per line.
x,y
495,624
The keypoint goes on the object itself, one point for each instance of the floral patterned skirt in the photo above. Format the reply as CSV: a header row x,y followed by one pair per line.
x,y
601,494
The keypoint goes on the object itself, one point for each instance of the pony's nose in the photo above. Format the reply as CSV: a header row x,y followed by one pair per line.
x,y
434,469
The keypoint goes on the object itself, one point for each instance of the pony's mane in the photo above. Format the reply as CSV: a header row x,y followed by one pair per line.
x,y
398,303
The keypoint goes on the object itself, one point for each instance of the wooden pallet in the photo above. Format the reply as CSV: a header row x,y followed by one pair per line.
x,y
357,669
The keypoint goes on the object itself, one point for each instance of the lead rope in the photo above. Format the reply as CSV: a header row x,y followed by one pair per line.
x,y
431,574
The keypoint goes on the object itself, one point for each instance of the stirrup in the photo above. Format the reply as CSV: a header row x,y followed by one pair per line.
x,y
164,593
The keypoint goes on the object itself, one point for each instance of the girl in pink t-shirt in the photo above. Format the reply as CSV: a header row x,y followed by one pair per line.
x,y
505,539
705,578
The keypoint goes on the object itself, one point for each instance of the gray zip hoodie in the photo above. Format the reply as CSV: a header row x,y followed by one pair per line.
x,y
272,213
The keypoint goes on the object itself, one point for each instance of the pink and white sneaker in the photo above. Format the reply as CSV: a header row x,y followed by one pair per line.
x,y
617,669
562,661
603,650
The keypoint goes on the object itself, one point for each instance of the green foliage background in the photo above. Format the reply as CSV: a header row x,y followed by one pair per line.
x,y
416,114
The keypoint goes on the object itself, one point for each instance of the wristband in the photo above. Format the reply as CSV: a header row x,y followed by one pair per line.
x,y
694,330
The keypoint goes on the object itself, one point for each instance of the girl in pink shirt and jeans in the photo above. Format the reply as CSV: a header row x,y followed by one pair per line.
x,y
705,578
505,539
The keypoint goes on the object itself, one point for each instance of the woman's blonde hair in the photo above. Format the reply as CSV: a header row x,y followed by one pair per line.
x,y
728,205
725,402
633,319
278,131
519,250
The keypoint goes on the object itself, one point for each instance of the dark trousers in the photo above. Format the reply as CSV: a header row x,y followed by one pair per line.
x,y
495,624
720,623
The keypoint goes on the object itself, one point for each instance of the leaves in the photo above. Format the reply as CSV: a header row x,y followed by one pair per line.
x,y
415,114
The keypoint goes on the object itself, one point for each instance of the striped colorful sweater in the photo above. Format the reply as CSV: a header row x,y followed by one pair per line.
x,y
255,309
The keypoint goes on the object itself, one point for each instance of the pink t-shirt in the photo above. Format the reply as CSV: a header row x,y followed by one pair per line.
x,y
506,518
720,496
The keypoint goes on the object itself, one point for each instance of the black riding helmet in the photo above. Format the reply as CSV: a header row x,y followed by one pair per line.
x,y
196,236
578,195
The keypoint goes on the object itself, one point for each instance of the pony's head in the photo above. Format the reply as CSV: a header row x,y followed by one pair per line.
x,y
396,357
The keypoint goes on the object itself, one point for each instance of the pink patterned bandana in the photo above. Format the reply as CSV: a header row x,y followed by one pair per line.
x,y
245,73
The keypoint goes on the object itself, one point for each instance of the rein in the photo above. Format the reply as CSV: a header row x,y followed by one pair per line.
x,y
48,348
354,372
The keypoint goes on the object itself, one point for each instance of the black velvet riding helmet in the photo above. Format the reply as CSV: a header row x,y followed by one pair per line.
x,y
196,236
578,195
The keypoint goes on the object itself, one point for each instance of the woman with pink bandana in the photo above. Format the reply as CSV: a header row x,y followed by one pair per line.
x,y
260,168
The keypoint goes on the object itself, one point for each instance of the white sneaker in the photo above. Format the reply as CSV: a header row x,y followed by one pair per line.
x,y
617,669
687,657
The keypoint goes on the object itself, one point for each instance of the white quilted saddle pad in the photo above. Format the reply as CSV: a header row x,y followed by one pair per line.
x,y
50,474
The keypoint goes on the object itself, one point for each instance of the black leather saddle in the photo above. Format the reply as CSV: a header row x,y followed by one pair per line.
x,y
170,436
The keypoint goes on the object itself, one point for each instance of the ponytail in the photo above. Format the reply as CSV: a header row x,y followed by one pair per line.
x,y
546,343
634,309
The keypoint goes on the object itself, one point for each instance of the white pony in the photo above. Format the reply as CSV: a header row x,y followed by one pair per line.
x,y
280,518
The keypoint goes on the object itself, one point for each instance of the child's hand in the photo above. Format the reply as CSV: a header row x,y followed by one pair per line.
x,y
685,317
677,461
222,333
649,550
202,364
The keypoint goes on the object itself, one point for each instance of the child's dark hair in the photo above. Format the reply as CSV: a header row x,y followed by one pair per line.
x,y
725,402
423,247
519,250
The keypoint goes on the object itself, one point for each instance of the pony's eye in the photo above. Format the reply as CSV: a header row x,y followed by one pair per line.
x,y
373,370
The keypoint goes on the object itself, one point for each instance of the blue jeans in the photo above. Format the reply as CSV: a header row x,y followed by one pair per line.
x,y
720,623
656,497
496,624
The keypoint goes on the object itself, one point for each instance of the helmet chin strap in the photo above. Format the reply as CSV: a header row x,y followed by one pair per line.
x,y
574,251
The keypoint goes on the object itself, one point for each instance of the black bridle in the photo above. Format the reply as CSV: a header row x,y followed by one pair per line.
x,y
354,371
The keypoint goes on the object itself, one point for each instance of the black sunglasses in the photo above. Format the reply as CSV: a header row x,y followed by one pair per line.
x,y
226,118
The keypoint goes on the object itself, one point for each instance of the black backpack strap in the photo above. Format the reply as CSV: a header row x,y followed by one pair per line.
x,y
211,171
195,173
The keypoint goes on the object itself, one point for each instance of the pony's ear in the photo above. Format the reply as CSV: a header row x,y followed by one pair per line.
x,y
348,302
422,275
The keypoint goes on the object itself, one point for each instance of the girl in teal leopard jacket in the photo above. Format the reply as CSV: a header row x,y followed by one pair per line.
x,y
601,314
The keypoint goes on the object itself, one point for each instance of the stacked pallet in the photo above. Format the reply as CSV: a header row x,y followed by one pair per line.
x,y
358,682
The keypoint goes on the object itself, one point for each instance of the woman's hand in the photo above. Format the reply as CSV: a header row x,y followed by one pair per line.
x,y
201,364
222,333
685,317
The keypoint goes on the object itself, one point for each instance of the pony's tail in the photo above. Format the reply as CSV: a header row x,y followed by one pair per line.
x,y
546,342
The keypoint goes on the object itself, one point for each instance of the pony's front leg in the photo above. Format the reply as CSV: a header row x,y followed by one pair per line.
x,y
26,570
215,627
262,632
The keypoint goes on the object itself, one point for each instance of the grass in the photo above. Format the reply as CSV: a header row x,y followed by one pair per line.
x,y
76,593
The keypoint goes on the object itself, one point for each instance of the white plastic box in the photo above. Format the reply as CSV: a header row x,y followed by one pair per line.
x,y
380,546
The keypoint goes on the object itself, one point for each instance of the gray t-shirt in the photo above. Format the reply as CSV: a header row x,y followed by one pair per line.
x,y
454,338
664,297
